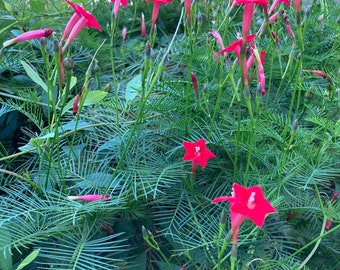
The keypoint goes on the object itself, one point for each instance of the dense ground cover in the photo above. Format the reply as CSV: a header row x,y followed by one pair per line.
x,y
168,135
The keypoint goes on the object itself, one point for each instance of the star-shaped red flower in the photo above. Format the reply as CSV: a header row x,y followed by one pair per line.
x,y
197,152
91,21
249,202
236,46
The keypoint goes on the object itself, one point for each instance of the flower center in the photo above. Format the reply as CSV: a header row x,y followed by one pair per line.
x,y
197,150
233,193
251,201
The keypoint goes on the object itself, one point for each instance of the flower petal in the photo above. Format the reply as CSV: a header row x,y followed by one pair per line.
x,y
222,199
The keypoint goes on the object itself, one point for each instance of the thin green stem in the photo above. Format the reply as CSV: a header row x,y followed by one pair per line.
x,y
146,93
114,82
222,250
28,180
200,231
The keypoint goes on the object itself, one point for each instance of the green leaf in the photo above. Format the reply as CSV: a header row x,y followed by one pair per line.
x,y
71,126
36,142
133,87
28,259
34,76
93,97
73,82
5,253
27,147
8,7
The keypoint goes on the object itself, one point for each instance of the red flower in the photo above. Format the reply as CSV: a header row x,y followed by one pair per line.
x,y
216,35
247,203
91,21
236,46
156,6
236,221
197,152
77,22
40,33
248,13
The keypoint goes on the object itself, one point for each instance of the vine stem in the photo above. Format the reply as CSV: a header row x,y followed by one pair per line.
x,y
310,255
20,177
81,104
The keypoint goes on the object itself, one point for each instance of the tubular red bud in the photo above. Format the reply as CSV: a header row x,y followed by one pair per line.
x,y
288,27
328,225
76,104
124,31
316,72
195,84
335,196
290,215
29,35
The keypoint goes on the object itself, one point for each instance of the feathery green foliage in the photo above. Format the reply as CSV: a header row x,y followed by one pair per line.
x,y
137,105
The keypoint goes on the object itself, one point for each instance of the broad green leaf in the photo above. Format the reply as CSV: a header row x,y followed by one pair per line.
x,y
73,82
27,147
35,143
28,259
8,7
93,97
133,87
5,252
34,76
